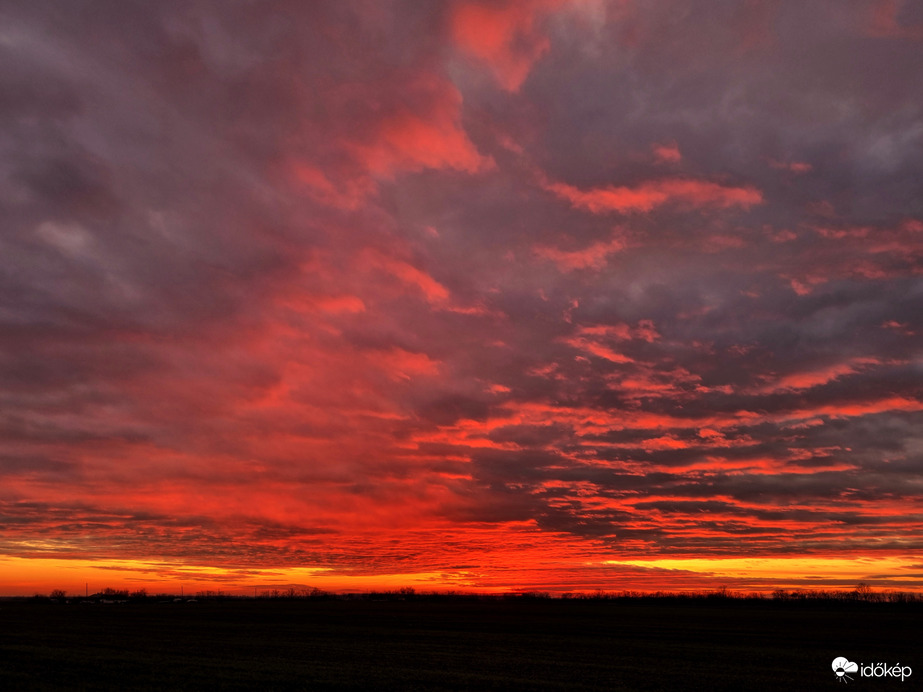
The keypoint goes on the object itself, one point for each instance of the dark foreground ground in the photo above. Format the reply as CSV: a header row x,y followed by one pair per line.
x,y
453,645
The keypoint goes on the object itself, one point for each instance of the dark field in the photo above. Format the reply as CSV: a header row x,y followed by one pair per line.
x,y
515,644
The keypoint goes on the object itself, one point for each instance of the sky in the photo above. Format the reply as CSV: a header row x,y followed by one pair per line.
x,y
461,295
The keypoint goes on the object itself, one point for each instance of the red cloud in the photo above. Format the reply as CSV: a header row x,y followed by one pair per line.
x,y
814,378
687,192
349,194
594,256
412,139
408,275
667,153
503,35
329,304
405,365
623,332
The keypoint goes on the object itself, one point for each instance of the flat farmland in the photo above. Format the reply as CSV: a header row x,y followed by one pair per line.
x,y
453,644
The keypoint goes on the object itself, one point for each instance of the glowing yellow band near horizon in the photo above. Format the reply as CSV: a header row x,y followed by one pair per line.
x,y
780,568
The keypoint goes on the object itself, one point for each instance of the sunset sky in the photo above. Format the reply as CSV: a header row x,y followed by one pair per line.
x,y
482,296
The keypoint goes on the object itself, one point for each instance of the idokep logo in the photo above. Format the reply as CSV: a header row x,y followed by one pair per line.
x,y
843,666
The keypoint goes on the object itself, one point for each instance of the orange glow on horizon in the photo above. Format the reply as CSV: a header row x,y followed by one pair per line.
x,y
795,572
27,577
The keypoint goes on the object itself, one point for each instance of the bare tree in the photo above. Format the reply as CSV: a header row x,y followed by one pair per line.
x,y
863,592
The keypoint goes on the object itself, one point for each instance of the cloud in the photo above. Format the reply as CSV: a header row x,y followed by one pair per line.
x,y
652,194
797,167
504,36
667,153
888,20
594,256
340,288
409,275
408,139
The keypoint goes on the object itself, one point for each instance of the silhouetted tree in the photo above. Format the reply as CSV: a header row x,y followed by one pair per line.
x,y
863,592
114,593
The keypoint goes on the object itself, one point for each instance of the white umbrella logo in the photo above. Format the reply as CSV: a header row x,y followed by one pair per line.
x,y
841,666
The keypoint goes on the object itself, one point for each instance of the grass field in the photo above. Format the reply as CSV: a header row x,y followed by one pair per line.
x,y
515,644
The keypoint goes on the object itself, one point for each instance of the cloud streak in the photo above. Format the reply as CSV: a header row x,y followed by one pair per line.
x,y
649,195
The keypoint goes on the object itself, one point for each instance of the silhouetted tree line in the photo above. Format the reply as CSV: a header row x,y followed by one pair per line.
x,y
107,594
862,593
